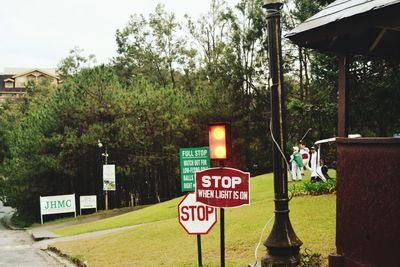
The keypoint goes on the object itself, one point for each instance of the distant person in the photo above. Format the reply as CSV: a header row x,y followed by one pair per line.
x,y
313,164
297,164
324,169
304,152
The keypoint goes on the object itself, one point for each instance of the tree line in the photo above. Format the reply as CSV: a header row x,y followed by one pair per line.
x,y
168,80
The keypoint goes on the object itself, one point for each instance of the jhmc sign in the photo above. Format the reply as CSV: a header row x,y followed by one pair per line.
x,y
195,217
57,204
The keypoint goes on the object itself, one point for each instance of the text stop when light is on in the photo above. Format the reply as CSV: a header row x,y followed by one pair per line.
x,y
218,141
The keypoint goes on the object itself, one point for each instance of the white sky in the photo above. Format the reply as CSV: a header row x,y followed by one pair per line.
x,y
39,33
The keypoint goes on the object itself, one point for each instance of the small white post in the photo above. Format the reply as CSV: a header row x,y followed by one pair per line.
x,y
106,199
41,215
75,205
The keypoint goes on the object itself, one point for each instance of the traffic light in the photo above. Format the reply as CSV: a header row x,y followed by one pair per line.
x,y
218,135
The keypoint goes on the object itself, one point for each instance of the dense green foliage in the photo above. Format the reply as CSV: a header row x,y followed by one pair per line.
x,y
168,80
319,188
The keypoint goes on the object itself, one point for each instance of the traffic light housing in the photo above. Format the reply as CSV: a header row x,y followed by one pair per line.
x,y
219,140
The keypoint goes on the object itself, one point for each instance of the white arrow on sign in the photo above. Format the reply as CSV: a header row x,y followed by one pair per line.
x,y
195,217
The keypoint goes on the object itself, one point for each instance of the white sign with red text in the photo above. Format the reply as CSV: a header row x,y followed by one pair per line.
x,y
223,187
195,217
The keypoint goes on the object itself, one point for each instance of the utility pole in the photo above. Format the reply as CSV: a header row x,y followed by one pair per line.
x,y
105,155
282,244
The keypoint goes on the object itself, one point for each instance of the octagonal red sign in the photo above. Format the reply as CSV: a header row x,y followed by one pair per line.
x,y
195,217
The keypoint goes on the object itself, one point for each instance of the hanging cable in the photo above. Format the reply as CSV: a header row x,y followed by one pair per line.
x,y
284,158
259,240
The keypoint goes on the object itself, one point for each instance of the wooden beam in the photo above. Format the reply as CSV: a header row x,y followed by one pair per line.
x,y
377,40
343,96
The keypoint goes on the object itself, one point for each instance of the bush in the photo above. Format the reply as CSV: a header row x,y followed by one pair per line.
x,y
21,220
319,188
314,188
309,259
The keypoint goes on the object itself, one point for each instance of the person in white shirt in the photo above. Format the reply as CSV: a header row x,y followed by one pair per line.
x,y
313,163
297,164
304,152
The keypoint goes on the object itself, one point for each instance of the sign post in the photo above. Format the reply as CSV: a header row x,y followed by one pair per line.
x,y
108,180
223,188
196,218
191,160
57,204
87,202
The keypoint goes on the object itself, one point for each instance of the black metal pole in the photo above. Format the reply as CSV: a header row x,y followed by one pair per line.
x,y
282,244
222,234
222,226
199,259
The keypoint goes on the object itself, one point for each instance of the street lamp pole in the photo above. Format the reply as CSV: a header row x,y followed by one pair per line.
x,y
282,244
105,155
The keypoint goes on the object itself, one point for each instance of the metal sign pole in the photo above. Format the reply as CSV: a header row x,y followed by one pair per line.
x,y
75,205
222,225
106,199
199,258
41,215
106,191
222,228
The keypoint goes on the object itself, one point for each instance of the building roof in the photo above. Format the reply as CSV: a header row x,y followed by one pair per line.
x,y
15,71
35,70
353,26
12,73
2,78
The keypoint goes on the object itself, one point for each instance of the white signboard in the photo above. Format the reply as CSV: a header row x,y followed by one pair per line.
x,y
109,177
57,204
195,217
88,202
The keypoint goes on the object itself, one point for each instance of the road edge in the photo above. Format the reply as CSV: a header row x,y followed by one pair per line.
x,y
60,256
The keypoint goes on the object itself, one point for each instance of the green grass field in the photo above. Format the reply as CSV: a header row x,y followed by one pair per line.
x,y
164,243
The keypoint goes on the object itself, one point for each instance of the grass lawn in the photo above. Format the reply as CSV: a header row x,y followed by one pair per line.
x,y
162,211
101,213
165,243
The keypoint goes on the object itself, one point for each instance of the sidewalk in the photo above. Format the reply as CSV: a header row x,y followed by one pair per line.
x,y
43,244
44,237
44,232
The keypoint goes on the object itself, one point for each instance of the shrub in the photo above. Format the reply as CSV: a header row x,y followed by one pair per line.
x,y
315,188
319,188
309,259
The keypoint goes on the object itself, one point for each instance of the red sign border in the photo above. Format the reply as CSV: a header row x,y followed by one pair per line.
x,y
211,227
226,168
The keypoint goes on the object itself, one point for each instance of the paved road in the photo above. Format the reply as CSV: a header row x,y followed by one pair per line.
x,y
16,248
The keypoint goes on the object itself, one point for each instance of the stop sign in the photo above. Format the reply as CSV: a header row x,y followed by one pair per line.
x,y
195,217
223,187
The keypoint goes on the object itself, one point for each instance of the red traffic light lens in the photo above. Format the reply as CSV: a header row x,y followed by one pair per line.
x,y
218,141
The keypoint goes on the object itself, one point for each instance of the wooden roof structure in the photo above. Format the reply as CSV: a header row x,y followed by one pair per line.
x,y
368,27
346,27
365,27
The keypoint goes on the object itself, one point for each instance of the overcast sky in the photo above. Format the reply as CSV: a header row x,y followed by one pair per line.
x,y
39,33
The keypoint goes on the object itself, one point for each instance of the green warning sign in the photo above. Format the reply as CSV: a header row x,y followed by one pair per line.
x,y
191,160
